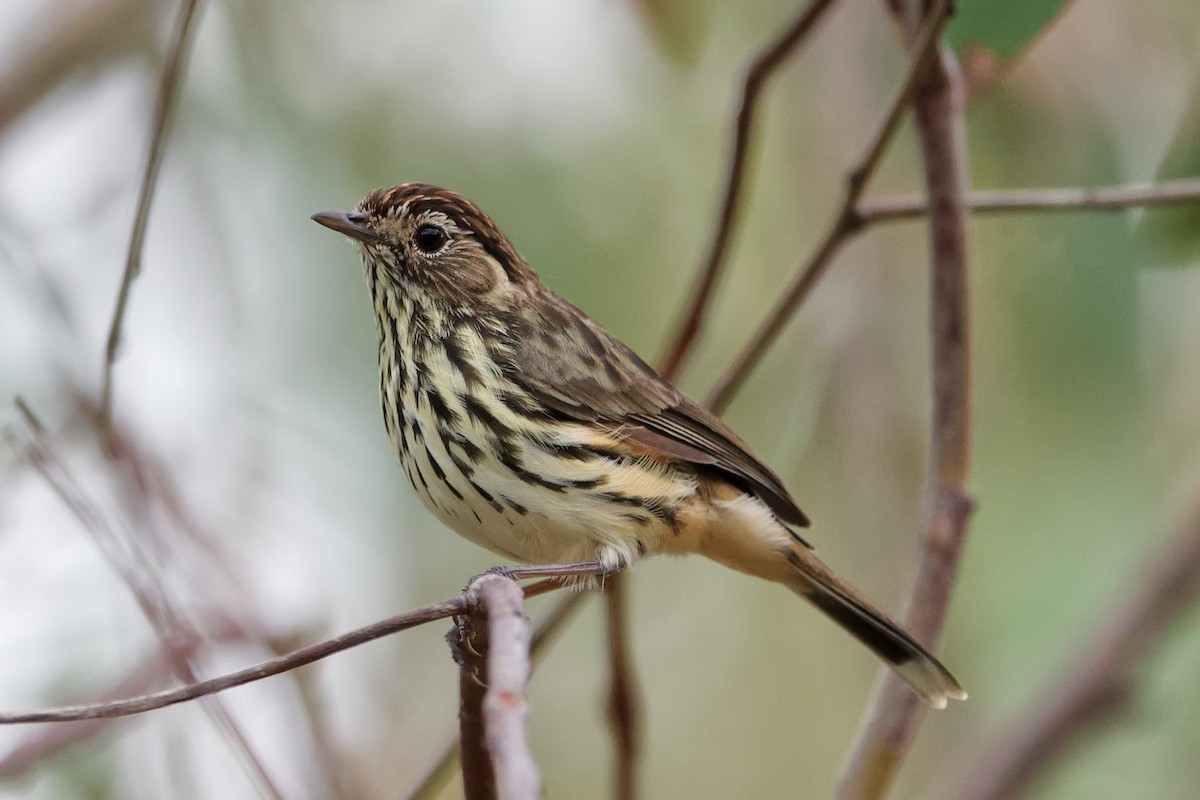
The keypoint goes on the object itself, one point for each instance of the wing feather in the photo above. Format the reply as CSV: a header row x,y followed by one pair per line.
x,y
579,370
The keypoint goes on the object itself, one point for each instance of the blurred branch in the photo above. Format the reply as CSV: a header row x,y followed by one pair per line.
x,y
623,709
761,69
846,223
890,723
265,669
168,92
1093,198
147,486
151,672
73,34
306,655
624,696
1100,679
177,636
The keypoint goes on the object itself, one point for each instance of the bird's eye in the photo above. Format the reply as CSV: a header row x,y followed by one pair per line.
x,y
429,239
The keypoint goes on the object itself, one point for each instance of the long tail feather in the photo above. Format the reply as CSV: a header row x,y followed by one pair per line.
x,y
846,606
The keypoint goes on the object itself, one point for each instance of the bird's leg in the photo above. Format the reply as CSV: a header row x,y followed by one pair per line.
x,y
523,571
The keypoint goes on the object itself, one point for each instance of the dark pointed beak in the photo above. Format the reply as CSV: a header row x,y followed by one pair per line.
x,y
352,224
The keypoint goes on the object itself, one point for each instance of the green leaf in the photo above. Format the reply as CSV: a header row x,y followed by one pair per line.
x,y
998,29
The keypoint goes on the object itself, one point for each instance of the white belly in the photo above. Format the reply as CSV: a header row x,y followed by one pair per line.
x,y
526,503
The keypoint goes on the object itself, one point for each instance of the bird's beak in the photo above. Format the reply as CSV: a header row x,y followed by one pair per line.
x,y
352,224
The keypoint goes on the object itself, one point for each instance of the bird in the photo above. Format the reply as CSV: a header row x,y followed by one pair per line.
x,y
530,430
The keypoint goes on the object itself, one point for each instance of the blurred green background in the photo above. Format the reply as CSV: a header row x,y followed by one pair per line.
x,y
595,134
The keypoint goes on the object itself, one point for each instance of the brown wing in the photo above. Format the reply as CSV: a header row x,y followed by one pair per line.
x,y
693,425
581,371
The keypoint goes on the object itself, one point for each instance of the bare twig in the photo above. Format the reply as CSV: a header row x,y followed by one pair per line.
x,y
153,671
623,693
760,70
1100,678
265,669
168,91
845,224
176,635
624,705
1092,198
890,724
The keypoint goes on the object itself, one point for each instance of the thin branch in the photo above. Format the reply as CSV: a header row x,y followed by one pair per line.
x,y
148,485
623,703
265,669
760,70
1093,198
505,708
846,223
624,695
168,91
891,720
154,670
1101,677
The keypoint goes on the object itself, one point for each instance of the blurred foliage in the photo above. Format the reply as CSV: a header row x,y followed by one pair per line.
x,y
677,27
1171,237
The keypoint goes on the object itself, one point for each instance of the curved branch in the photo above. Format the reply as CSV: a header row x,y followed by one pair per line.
x,y
265,669
623,703
760,70
168,92
624,695
846,224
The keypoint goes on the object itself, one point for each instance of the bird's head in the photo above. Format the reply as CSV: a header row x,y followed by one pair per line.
x,y
419,236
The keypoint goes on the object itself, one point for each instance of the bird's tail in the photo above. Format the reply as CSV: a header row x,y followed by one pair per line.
x,y
846,606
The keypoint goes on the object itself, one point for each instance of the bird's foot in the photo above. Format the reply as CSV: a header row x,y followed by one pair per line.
x,y
520,572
